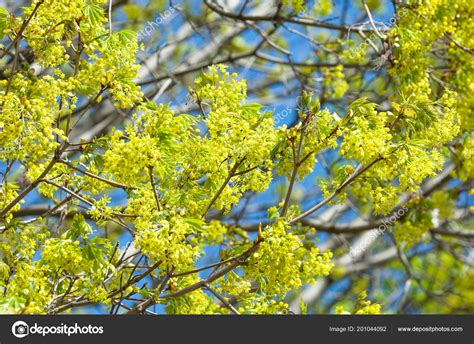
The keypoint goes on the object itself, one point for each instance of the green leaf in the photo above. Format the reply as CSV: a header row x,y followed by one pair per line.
x,y
195,223
303,308
126,36
79,227
94,13
4,22
89,252
252,107
14,302
356,104
4,270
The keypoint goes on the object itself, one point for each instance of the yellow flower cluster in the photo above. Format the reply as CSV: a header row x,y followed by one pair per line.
x,y
440,24
404,147
334,81
368,137
167,244
283,263
362,306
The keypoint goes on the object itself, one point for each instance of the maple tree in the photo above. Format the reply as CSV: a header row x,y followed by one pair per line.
x,y
113,197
